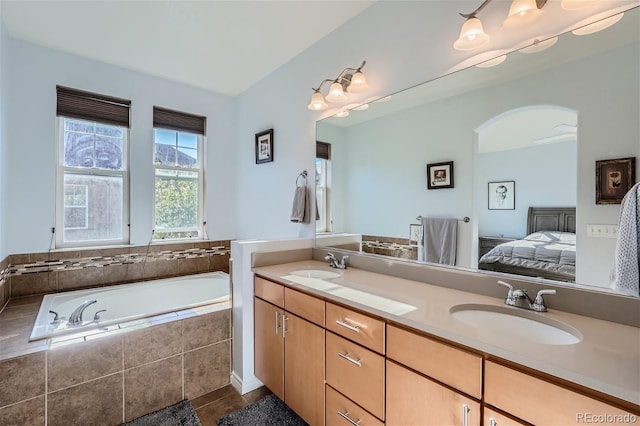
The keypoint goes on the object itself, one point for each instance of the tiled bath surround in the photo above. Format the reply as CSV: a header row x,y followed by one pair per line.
x,y
111,376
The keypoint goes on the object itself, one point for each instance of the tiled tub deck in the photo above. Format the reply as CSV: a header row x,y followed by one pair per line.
x,y
106,377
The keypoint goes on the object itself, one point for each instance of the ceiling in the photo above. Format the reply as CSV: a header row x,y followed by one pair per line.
x,y
222,46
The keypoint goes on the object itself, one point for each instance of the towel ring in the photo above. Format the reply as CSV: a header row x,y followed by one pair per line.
x,y
302,175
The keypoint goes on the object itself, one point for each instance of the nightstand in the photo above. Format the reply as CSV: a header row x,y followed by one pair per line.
x,y
487,243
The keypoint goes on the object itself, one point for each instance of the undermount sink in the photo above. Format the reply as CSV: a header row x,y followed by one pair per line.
x,y
516,325
315,273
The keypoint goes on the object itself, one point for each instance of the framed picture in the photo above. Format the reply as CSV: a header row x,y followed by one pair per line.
x,y
614,178
415,234
502,195
440,175
264,146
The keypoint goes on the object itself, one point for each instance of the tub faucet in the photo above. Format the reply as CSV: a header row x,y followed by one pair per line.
x,y
76,317
334,263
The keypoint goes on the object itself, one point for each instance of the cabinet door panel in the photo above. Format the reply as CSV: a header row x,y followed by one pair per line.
x,y
304,369
413,399
269,346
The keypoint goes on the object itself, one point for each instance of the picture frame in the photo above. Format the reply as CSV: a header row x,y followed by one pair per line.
x,y
264,146
440,175
614,178
501,195
416,233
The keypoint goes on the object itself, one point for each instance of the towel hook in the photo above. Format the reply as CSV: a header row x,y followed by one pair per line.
x,y
302,175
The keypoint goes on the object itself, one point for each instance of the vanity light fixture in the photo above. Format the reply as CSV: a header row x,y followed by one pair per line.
x,y
342,113
492,62
576,4
598,25
522,12
361,107
349,80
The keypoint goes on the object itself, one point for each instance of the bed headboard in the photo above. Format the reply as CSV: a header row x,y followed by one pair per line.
x,y
551,219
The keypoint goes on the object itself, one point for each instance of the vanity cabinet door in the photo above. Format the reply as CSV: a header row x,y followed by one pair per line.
x,y
269,346
413,399
304,368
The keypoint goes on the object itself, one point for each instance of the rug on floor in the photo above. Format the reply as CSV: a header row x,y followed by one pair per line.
x,y
180,414
268,411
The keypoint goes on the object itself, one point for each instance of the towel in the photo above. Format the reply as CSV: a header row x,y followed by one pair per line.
x,y
300,209
440,236
625,276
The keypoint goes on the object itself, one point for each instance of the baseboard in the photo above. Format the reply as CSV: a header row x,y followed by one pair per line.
x,y
244,386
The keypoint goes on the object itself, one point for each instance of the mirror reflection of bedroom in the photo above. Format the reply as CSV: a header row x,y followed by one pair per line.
x,y
525,163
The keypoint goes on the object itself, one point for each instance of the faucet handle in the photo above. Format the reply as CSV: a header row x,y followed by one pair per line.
x,y
538,303
507,285
96,316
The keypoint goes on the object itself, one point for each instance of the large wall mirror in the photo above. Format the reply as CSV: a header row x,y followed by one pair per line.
x,y
520,141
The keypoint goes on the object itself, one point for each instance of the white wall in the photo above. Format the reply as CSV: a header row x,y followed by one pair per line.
x,y
544,175
3,134
34,72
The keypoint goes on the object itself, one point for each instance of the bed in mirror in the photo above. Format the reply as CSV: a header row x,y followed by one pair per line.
x,y
522,135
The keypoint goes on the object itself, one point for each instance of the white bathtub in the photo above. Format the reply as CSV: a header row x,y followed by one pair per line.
x,y
128,302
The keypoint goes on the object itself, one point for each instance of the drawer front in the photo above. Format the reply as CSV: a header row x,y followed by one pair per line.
x,y
305,306
360,328
455,367
494,418
341,411
269,291
356,372
540,402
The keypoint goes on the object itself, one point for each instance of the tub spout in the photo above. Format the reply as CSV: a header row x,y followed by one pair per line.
x,y
76,316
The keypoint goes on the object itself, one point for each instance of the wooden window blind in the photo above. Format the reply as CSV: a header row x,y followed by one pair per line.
x,y
74,103
323,150
181,121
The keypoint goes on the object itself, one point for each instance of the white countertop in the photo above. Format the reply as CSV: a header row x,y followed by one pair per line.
x,y
607,358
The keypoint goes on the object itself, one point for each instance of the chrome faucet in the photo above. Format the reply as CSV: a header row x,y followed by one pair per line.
x,y
76,317
520,298
334,263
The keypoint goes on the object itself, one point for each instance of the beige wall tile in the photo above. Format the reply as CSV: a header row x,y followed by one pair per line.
x,y
219,263
206,329
196,265
79,278
26,413
21,378
122,273
152,343
160,268
36,283
207,369
88,402
152,386
77,363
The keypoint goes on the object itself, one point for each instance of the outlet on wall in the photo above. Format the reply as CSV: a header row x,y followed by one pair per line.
x,y
602,231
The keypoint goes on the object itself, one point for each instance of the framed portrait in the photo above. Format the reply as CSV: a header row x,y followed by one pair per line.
x,y
614,178
440,175
415,234
502,195
264,146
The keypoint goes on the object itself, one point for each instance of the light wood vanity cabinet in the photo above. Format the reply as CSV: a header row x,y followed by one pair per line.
x,y
289,349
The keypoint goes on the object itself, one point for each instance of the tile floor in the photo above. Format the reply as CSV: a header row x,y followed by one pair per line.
x,y
223,401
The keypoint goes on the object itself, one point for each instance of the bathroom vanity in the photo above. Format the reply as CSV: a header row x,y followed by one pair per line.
x,y
346,347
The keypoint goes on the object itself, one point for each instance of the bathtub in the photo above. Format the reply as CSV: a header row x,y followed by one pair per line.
x,y
128,302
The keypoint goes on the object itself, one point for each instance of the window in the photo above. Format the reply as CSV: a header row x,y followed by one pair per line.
x,y
92,183
179,175
323,179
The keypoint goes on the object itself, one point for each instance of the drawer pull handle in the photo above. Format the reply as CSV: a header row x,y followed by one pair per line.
x,y
351,360
284,328
349,419
492,422
465,415
277,326
353,328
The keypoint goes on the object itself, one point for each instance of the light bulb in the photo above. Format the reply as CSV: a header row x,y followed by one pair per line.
x,y
317,102
522,12
336,94
358,83
472,35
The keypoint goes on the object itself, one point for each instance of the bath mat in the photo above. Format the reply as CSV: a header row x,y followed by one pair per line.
x,y
180,414
268,411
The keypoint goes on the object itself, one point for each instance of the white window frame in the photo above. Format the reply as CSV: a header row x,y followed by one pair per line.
x,y
62,170
199,229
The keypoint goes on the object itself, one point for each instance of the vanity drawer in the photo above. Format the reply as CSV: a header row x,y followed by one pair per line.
x,y
269,291
494,418
540,402
338,407
358,327
356,372
305,306
455,367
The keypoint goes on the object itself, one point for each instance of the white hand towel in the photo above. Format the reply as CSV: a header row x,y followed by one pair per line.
x,y
300,205
625,276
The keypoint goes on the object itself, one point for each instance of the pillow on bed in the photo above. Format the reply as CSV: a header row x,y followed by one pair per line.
x,y
552,237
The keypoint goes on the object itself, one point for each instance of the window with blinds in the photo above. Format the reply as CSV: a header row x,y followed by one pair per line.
x,y
179,174
92,185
